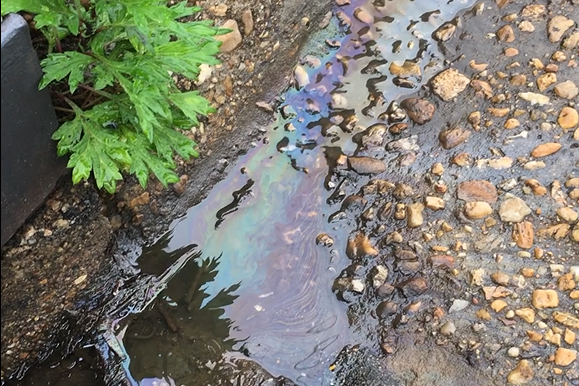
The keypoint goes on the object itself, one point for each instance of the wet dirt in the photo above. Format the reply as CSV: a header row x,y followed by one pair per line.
x,y
77,245
385,224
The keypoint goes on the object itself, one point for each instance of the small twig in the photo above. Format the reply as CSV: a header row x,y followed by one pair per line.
x,y
93,102
61,95
64,109
169,319
99,92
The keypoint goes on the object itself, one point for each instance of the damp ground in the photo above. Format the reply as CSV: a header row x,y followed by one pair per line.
x,y
408,216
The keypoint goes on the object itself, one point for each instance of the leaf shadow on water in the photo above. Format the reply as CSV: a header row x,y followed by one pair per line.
x,y
158,311
183,335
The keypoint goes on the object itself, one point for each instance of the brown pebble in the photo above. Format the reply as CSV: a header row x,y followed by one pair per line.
x,y
414,217
413,287
453,137
247,21
523,234
567,214
477,210
518,80
566,282
178,188
474,119
366,165
398,128
441,261
506,34
533,11
538,189
527,314
477,190
478,66
567,89
569,336
511,52
498,305
557,26
437,169
500,278
545,298
462,159
483,314
498,112
522,374
546,149
511,123
565,356
449,83
434,203
566,319
527,272
419,110
559,56
545,80
534,336
360,246
526,26
324,239
568,118
482,88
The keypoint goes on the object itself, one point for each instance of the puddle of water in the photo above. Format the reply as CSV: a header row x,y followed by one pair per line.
x,y
276,305
269,298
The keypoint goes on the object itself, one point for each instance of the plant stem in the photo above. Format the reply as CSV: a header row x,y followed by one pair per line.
x,y
57,40
99,92
64,109
90,103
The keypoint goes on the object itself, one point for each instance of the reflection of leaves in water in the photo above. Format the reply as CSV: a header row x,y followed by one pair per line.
x,y
178,336
222,299
155,259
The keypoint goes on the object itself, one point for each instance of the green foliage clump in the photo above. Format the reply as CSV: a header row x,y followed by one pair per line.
x,y
123,56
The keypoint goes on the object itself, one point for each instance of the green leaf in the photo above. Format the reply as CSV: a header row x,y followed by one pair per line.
x,y
145,161
32,6
68,135
48,20
191,104
57,66
133,49
94,148
168,140
102,77
73,24
183,58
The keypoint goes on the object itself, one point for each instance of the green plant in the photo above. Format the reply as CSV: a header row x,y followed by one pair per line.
x,y
120,58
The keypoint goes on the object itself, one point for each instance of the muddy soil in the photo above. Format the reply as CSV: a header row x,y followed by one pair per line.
x,y
77,247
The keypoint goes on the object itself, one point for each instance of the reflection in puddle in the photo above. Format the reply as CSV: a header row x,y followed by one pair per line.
x,y
268,297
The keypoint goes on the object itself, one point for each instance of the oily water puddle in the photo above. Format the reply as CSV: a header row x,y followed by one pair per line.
x,y
260,286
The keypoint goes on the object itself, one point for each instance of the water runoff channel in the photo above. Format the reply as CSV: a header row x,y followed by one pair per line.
x,y
262,287
259,287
